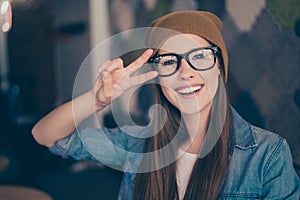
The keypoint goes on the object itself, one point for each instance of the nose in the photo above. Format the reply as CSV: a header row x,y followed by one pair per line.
x,y
185,70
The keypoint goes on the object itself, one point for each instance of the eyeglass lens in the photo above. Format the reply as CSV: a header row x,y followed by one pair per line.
x,y
199,59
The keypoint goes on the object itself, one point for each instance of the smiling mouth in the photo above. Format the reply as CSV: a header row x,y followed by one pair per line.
x,y
189,90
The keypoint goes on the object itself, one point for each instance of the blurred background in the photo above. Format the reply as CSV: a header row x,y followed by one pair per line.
x,y
49,40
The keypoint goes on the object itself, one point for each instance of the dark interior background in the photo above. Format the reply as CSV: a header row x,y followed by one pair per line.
x,y
51,38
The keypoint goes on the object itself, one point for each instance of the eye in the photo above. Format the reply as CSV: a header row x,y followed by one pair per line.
x,y
199,56
203,54
168,60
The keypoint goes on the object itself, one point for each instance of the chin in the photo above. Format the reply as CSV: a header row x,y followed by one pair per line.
x,y
196,109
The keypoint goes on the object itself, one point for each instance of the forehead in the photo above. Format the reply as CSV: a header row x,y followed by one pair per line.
x,y
182,43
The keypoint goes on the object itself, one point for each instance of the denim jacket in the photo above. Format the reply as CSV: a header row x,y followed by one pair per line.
x,y
260,165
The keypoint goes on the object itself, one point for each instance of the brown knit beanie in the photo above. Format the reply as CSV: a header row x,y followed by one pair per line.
x,y
201,23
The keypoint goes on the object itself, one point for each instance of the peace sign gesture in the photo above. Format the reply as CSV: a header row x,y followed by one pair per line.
x,y
115,79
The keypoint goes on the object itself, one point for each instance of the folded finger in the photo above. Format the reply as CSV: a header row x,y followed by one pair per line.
x,y
115,64
104,66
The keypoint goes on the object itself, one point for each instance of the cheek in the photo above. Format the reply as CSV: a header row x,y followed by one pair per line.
x,y
211,79
166,84
169,94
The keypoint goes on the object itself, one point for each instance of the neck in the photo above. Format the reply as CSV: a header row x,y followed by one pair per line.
x,y
196,126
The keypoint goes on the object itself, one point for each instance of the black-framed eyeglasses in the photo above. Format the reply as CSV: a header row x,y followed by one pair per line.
x,y
199,59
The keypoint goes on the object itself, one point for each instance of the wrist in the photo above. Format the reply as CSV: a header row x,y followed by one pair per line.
x,y
97,105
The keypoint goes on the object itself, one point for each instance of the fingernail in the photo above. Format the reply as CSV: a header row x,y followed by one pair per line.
x,y
105,74
117,87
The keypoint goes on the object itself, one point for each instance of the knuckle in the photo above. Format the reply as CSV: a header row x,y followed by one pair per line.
x,y
106,95
119,61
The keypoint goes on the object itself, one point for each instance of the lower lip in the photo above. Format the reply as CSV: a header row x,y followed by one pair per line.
x,y
191,95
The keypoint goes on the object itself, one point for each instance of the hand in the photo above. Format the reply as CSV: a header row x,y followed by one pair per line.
x,y
115,79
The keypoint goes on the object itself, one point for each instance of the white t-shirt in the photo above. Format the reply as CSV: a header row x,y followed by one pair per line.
x,y
185,165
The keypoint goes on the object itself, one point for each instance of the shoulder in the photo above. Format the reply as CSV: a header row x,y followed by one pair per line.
x,y
275,149
267,139
246,135
265,136
261,164
257,144
276,169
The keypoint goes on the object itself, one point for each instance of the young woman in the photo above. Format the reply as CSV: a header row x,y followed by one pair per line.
x,y
217,155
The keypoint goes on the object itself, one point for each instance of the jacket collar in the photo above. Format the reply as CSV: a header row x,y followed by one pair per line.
x,y
242,135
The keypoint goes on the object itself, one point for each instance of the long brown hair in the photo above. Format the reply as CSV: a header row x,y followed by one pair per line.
x,y
207,174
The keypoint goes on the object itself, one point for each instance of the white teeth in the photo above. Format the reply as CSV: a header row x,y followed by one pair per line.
x,y
189,90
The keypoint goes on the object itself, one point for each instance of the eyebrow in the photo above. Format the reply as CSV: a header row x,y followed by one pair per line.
x,y
168,52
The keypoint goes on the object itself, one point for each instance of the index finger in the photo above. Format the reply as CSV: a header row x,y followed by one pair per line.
x,y
135,65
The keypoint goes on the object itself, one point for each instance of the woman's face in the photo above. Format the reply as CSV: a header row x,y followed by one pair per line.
x,y
189,90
